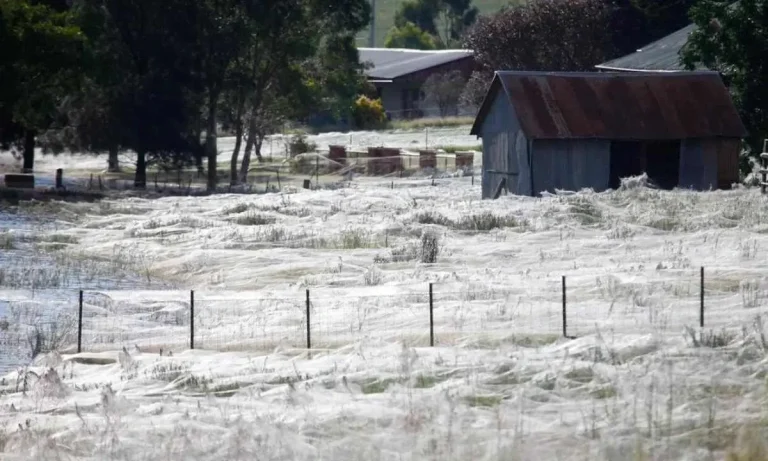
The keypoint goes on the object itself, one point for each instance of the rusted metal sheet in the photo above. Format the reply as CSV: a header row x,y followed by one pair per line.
x,y
618,106
337,156
383,160
465,160
427,159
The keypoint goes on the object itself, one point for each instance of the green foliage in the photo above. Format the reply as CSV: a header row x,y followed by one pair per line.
x,y
730,38
446,20
40,62
409,35
368,114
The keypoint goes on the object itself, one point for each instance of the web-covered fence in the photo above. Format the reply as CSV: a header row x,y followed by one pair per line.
x,y
662,301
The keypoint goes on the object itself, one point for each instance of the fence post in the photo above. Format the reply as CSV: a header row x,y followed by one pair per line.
x,y
309,329
80,324
701,298
565,315
431,318
191,319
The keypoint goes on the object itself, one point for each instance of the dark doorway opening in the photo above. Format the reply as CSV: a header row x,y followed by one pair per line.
x,y
659,159
663,163
627,159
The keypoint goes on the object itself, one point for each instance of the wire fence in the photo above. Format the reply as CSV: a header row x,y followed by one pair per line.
x,y
439,314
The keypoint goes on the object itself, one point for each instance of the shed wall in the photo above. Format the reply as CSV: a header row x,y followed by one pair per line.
x,y
505,150
698,164
571,165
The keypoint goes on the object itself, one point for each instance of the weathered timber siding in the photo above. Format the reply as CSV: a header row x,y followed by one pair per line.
x,y
502,137
698,164
570,165
728,150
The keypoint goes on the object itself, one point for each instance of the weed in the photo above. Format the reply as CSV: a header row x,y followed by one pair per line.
x,y
372,276
430,247
254,219
488,401
710,338
376,386
7,241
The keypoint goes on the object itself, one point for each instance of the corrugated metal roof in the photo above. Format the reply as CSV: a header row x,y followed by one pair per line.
x,y
391,63
662,55
614,105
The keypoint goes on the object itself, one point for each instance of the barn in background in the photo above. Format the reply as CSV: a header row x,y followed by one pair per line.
x,y
543,131
398,75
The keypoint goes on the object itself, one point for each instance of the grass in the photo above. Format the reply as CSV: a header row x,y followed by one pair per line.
x,y
485,221
430,122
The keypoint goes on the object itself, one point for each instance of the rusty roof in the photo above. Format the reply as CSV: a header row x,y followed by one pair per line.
x,y
628,106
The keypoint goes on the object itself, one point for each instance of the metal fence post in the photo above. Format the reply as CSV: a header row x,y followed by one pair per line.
x,y
431,318
80,324
309,329
192,319
565,315
701,298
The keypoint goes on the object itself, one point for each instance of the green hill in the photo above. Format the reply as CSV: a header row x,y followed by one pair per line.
x,y
385,17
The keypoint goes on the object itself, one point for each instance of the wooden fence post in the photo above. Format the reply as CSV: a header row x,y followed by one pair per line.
x,y
565,315
80,324
309,329
701,297
431,318
192,319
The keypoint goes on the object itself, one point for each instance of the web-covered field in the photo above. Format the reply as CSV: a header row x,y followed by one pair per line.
x,y
640,381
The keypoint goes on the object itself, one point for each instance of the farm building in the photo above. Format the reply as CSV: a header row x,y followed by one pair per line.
x,y
398,75
663,55
572,130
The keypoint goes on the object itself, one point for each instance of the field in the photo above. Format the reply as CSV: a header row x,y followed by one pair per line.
x,y
640,381
385,17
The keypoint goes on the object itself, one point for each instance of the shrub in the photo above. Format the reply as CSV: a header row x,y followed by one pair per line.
x,y
298,145
368,114
430,247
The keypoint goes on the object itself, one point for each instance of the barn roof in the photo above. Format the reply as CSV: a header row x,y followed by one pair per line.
x,y
611,105
663,55
392,63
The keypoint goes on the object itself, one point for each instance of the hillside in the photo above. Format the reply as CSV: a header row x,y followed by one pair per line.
x,y
385,16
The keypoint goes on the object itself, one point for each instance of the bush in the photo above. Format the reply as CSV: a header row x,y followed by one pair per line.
x,y
430,247
299,145
368,114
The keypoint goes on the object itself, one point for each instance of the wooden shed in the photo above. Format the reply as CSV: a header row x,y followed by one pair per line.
x,y
543,131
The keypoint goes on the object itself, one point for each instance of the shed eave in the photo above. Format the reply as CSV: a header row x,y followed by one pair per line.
x,y
623,69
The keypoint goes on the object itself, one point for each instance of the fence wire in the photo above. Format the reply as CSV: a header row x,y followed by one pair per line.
x,y
525,311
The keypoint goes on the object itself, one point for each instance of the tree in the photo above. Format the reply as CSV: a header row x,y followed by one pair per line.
x,y
303,59
443,90
474,91
409,36
143,91
40,65
546,35
730,38
445,20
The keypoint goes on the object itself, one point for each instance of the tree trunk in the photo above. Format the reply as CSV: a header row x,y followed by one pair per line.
x,y
249,141
140,180
210,145
247,157
29,152
236,153
199,151
113,163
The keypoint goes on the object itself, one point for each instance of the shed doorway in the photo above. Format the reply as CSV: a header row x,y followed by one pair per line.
x,y
660,160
